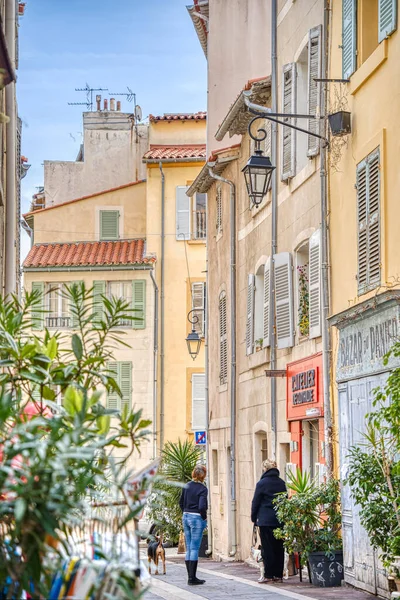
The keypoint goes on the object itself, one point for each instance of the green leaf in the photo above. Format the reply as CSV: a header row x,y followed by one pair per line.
x,y
48,393
73,400
77,346
20,509
52,348
103,423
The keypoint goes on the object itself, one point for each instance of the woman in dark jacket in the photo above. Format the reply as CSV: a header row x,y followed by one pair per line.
x,y
263,514
194,506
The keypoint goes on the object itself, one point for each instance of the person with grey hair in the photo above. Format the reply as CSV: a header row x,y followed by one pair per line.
x,y
263,515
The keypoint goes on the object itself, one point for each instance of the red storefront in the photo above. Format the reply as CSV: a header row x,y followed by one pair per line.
x,y
305,413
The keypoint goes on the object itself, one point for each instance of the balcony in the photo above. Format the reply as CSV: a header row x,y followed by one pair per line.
x,y
200,227
58,322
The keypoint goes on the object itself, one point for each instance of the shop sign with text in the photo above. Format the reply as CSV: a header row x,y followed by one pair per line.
x,y
304,388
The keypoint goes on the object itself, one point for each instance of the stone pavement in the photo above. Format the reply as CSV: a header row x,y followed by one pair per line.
x,y
238,580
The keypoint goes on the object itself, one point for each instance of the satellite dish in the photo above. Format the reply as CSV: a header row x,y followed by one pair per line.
x,y
138,113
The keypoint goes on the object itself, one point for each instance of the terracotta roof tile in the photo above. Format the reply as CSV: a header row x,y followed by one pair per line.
x,y
199,116
158,152
82,254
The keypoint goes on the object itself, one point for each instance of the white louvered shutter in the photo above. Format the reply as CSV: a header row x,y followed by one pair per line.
x,y
199,416
349,37
266,304
198,305
314,292
284,299
250,315
288,134
139,304
374,238
223,340
38,312
125,383
387,18
219,210
113,399
314,72
182,213
99,290
109,224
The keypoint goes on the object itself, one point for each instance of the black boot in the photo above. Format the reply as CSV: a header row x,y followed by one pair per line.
x,y
187,563
192,574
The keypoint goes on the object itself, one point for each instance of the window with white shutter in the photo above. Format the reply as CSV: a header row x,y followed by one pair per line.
x,y
223,340
288,134
349,37
122,373
139,304
259,308
199,416
313,96
182,213
250,315
109,225
199,306
387,18
219,210
368,217
314,270
38,309
284,299
267,292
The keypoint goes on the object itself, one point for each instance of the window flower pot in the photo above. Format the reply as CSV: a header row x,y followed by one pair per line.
x,y
340,123
326,570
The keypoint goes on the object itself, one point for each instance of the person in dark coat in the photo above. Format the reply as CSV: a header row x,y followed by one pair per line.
x,y
263,515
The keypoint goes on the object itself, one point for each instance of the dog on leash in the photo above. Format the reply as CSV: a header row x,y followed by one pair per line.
x,y
259,560
156,552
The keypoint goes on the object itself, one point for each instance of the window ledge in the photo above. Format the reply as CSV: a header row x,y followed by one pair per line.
x,y
373,62
223,388
196,242
257,359
303,175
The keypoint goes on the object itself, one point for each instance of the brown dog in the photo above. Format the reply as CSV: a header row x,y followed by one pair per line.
x,y
155,552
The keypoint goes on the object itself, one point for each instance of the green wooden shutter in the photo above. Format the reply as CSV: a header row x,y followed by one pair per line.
x,y
139,304
113,398
74,320
99,290
349,37
109,224
38,314
125,383
387,18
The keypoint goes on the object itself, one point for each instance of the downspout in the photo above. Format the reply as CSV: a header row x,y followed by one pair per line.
x,y
274,221
233,352
326,344
162,294
208,457
11,157
155,364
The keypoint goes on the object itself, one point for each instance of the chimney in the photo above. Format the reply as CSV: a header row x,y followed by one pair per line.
x,y
118,105
105,104
98,101
112,103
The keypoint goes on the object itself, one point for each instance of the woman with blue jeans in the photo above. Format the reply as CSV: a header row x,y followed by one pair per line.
x,y
194,506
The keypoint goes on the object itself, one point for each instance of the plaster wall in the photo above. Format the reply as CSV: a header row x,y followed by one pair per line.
x,y
177,132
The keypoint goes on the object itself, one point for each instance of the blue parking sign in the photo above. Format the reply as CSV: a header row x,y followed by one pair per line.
x,y
200,438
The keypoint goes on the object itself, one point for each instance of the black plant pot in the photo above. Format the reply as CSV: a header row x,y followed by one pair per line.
x,y
340,123
203,547
326,571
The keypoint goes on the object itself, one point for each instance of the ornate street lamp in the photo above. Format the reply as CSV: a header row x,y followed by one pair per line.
x,y
259,169
193,339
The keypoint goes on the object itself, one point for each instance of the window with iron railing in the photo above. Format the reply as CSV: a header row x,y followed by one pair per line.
x,y
199,229
58,314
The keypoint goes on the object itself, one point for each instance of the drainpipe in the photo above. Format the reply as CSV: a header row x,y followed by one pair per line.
x,y
155,364
162,294
233,352
274,221
326,345
208,457
11,157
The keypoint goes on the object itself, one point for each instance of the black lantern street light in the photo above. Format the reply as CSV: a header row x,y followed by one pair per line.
x,y
259,169
193,339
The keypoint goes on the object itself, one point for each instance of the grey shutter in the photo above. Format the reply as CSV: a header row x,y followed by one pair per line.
x,y
219,210
199,416
99,290
223,340
313,100
125,384
38,313
387,18
266,304
374,241
349,37
362,219
198,304
113,398
314,292
250,315
284,299
288,134
182,213
109,224
139,304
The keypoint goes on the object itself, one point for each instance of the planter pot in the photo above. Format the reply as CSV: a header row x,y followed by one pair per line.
x,y
340,123
326,571
203,547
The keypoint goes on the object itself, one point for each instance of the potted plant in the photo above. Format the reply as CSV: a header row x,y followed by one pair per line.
x,y
259,344
311,525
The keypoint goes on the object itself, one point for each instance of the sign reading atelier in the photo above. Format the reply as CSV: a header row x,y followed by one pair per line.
x,y
303,387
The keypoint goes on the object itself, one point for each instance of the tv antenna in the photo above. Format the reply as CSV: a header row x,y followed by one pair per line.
x,y
89,96
137,111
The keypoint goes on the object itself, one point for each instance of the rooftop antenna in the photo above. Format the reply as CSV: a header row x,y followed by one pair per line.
x,y
89,96
137,111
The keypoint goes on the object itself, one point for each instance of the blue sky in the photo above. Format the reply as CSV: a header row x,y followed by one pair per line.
x,y
148,45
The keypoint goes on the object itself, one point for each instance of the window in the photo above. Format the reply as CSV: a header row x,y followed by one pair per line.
x,y
368,218
188,226
288,135
182,214
133,292
219,210
303,289
308,271
260,452
258,308
199,216
109,224
57,306
302,80
122,290
250,314
215,467
199,306
364,25
199,416
122,373
284,300
223,340
313,92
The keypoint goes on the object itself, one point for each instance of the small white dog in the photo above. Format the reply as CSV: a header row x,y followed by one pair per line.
x,y
256,554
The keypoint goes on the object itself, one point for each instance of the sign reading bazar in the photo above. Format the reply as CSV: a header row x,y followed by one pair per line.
x,y
304,388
